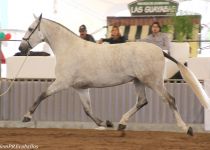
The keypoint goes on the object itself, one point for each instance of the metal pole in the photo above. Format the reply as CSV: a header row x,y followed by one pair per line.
x,y
0,59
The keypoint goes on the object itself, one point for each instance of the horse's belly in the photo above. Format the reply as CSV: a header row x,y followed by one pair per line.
x,y
111,82
100,82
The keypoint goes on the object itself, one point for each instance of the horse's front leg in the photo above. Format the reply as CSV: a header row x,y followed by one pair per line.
x,y
86,103
141,101
55,87
28,115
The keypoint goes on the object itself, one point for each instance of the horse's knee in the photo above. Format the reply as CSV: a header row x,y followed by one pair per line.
x,y
172,103
37,102
43,96
141,103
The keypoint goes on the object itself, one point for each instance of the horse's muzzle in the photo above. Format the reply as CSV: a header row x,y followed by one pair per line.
x,y
24,46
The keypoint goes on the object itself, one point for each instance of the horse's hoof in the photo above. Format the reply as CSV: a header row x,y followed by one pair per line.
x,y
109,124
26,119
121,127
190,131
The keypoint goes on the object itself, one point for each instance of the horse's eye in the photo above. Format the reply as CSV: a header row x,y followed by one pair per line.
x,y
30,29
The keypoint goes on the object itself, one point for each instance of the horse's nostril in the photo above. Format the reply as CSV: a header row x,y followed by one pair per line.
x,y
20,48
23,46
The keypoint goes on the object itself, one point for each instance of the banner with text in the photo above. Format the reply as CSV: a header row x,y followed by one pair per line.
x,y
153,8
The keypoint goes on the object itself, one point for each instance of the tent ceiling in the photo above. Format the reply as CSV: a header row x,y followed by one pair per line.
x,y
107,6
94,12
102,8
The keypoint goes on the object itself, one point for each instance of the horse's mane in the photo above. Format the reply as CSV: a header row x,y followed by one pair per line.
x,y
61,26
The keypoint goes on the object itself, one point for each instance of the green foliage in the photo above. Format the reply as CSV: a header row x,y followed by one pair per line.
x,y
183,27
165,28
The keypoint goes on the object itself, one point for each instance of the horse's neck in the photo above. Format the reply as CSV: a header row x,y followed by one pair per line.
x,y
58,37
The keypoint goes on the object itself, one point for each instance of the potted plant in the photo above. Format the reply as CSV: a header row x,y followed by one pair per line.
x,y
183,27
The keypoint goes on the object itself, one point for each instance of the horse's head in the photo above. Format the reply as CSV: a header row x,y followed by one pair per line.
x,y
32,37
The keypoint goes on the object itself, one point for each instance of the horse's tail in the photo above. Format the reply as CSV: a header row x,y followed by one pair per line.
x,y
190,78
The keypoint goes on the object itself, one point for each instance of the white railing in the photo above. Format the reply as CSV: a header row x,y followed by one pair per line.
x,y
108,103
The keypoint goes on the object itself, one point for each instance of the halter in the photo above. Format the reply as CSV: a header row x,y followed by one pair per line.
x,y
37,27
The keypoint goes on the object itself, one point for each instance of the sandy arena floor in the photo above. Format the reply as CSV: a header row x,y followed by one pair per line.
x,y
87,139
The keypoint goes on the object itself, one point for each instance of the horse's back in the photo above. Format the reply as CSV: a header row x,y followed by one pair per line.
x,y
100,65
136,55
130,49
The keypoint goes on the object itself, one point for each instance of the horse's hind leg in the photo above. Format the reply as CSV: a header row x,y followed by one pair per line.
x,y
53,88
141,101
171,101
86,102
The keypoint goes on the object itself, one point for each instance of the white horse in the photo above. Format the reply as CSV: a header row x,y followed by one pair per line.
x,y
82,65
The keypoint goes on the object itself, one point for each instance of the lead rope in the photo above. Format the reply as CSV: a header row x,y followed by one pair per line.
x,y
11,84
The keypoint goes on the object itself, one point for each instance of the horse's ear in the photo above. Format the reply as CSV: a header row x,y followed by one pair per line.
x,y
40,17
35,17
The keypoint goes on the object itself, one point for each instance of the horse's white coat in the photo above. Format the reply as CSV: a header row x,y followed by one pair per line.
x,y
81,64
85,63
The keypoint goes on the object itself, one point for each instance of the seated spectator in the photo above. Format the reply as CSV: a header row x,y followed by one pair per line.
x,y
84,35
115,38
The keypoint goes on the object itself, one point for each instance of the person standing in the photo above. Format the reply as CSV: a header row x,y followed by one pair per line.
x,y
84,35
158,38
